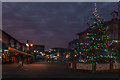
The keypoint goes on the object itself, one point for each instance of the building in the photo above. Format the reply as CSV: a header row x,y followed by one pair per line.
x,y
61,54
13,50
73,44
114,29
82,36
114,26
39,48
38,52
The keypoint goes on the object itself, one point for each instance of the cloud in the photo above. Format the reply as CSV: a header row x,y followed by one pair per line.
x,y
50,24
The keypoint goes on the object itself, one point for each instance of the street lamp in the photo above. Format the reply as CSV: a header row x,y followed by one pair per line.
x,y
27,44
35,51
28,49
31,45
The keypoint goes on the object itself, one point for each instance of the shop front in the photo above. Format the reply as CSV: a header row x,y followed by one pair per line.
x,y
13,56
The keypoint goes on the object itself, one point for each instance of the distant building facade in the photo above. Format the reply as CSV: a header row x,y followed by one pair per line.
x,y
60,53
39,48
73,44
114,29
82,36
114,26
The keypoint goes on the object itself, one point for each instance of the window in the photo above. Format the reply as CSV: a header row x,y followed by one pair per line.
x,y
12,43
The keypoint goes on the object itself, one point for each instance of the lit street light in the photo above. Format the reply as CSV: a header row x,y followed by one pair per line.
x,y
35,51
31,45
27,44
28,49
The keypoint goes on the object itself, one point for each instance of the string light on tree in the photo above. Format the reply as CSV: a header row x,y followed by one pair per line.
x,y
98,48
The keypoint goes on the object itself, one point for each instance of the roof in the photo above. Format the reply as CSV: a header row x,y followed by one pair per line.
x,y
85,31
9,36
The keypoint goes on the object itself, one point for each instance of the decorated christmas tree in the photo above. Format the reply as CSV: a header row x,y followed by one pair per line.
x,y
98,48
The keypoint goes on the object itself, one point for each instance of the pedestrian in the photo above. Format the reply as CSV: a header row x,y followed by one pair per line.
x,y
20,65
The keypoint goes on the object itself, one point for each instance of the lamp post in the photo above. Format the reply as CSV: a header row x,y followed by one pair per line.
x,y
35,51
28,48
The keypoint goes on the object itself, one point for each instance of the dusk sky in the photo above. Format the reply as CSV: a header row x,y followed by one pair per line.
x,y
52,24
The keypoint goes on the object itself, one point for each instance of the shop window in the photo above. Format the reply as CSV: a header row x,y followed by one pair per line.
x,y
12,43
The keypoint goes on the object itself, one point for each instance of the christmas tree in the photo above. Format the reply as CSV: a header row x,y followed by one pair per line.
x,y
98,48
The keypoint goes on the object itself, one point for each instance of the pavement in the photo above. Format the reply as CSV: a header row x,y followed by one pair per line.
x,y
49,70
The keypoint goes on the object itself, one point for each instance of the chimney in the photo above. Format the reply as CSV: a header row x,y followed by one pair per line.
x,y
114,15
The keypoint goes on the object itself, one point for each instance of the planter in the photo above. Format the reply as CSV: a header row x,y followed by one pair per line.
x,y
92,67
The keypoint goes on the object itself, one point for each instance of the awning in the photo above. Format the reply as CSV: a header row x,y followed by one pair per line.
x,y
15,50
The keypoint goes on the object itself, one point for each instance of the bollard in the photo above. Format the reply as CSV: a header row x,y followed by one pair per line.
x,y
93,67
70,65
111,67
74,65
